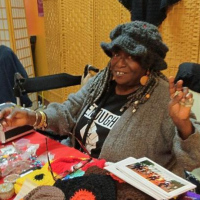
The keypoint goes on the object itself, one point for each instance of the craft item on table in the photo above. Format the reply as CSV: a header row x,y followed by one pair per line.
x,y
13,160
6,191
22,144
72,167
16,167
29,171
77,173
43,157
32,148
123,189
27,186
7,150
99,163
189,196
40,177
25,148
66,165
91,187
45,193
11,178
8,156
193,179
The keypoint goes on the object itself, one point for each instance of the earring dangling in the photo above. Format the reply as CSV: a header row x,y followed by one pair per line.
x,y
144,79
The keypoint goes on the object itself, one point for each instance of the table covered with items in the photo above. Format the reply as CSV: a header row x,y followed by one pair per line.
x,y
38,167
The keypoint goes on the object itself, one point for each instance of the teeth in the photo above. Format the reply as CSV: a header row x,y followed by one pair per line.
x,y
120,73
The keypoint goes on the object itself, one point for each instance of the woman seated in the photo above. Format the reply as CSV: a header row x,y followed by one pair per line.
x,y
127,109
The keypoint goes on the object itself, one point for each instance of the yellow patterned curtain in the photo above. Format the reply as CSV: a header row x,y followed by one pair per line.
x,y
74,30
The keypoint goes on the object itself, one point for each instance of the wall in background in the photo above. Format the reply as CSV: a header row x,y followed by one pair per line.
x,y
74,30
36,27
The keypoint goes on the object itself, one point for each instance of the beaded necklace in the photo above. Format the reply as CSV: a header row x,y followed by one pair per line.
x,y
102,84
142,94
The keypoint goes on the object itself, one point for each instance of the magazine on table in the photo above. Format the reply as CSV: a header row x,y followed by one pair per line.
x,y
150,177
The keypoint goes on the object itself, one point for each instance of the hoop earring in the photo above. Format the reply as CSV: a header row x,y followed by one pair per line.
x,y
144,79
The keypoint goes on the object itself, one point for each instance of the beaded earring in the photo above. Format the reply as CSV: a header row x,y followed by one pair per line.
x,y
144,79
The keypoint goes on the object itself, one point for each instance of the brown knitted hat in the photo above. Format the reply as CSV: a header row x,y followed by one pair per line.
x,y
45,193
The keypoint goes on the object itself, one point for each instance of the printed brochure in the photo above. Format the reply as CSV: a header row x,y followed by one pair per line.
x,y
150,177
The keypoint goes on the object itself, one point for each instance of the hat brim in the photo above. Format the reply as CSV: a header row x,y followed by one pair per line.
x,y
130,46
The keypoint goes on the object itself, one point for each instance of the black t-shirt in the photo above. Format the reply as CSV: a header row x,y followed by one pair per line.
x,y
104,121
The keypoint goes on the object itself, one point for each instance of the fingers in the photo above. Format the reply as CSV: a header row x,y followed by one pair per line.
x,y
3,115
174,87
180,94
5,112
187,99
11,117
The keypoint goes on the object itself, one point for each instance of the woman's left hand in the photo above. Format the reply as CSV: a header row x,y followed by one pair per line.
x,y
180,107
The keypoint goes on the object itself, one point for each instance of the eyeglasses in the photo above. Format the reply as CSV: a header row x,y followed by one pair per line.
x,y
76,167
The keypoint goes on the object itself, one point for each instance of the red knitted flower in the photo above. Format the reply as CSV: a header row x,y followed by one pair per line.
x,y
83,195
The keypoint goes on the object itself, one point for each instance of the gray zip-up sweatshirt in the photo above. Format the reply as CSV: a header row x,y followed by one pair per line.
x,y
148,132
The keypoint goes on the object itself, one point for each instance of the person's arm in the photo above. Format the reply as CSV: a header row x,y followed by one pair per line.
x,y
187,151
187,130
61,118
13,117
180,108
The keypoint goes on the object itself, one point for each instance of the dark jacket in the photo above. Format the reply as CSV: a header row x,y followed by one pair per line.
x,y
9,65
150,11
190,74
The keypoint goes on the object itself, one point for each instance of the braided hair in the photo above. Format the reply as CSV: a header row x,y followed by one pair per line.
x,y
102,84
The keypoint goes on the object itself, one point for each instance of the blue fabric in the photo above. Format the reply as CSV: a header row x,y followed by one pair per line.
x,y
9,65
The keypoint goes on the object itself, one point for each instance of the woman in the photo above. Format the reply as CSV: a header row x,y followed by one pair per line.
x,y
126,110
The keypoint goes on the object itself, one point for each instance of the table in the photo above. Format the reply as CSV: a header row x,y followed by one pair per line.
x,y
57,149
54,147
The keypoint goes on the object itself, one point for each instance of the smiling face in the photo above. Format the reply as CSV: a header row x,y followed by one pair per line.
x,y
126,71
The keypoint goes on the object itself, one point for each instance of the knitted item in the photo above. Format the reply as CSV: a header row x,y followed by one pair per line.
x,y
64,165
93,186
153,12
139,39
45,193
99,163
40,177
124,190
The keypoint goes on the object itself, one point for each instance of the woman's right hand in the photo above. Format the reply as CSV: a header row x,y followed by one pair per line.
x,y
13,117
